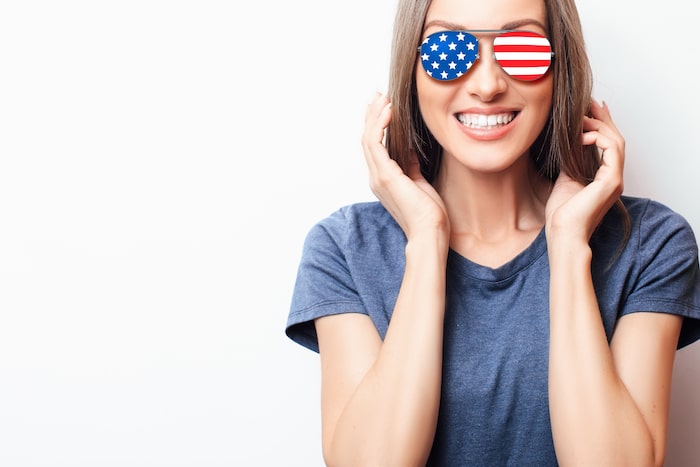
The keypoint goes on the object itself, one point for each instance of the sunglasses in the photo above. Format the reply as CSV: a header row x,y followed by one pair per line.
x,y
524,55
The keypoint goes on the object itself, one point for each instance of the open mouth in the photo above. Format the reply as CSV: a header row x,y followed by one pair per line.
x,y
486,122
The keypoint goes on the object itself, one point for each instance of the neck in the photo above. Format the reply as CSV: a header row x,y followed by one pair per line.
x,y
490,207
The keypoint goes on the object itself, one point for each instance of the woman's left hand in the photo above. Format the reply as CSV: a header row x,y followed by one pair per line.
x,y
574,210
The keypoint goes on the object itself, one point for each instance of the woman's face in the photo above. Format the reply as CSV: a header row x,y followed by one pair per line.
x,y
486,119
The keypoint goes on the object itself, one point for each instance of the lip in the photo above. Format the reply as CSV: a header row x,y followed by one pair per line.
x,y
487,134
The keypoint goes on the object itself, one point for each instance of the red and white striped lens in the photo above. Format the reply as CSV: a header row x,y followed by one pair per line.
x,y
524,55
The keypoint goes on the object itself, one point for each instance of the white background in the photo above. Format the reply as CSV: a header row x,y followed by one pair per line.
x,y
160,165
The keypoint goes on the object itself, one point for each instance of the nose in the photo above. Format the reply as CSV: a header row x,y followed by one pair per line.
x,y
486,78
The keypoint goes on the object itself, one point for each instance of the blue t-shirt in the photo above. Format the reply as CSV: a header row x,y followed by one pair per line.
x,y
494,404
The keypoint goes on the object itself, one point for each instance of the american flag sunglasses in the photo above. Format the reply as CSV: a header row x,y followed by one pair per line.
x,y
524,55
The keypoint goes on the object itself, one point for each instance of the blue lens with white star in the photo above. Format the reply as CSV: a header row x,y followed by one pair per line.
x,y
447,55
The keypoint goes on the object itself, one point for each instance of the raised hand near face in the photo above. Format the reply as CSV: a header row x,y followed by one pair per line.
x,y
411,200
574,210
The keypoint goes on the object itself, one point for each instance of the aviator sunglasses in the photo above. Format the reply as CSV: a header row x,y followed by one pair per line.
x,y
524,55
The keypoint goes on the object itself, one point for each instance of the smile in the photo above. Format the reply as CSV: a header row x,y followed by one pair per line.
x,y
485,122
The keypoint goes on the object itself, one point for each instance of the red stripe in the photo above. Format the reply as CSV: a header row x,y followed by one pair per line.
x,y
521,48
522,63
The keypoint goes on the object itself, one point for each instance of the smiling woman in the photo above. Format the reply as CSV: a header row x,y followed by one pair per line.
x,y
503,296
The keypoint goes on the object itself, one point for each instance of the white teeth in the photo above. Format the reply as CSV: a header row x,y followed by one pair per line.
x,y
485,121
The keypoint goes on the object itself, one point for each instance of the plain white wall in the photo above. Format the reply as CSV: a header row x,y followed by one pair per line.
x,y
160,164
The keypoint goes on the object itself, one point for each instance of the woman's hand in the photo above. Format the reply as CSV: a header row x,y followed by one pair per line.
x,y
411,200
575,210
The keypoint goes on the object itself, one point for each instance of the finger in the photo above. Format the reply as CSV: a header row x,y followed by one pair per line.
x,y
377,150
376,111
608,181
610,154
601,113
608,127
375,120
600,130
604,142
377,117
603,135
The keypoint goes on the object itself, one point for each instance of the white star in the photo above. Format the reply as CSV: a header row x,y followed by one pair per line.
x,y
460,36
460,56
436,65
453,65
452,46
443,56
433,47
443,37
444,75
470,46
425,56
469,65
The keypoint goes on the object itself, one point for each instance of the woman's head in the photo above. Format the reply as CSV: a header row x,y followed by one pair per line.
x,y
556,146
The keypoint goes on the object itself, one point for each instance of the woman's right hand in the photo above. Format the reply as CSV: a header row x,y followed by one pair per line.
x,y
411,200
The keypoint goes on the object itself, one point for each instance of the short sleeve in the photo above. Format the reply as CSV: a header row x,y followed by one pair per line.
x,y
324,285
669,279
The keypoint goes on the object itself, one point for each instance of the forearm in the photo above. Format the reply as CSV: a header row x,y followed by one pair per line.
x,y
594,419
391,417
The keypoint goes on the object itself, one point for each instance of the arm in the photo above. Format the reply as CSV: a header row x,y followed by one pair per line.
x,y
608,404
380,400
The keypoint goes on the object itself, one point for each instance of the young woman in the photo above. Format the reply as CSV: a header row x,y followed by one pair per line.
x,y
503,303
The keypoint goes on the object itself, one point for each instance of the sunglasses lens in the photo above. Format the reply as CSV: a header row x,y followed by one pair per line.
x,y
523,55
447,55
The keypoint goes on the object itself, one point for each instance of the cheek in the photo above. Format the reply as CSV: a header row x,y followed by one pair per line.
x,y
423,88
427,97
434,97
541,98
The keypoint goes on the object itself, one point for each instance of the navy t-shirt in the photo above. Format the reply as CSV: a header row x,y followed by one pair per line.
x,y
494,404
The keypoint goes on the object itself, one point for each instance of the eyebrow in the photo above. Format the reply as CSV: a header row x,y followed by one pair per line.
x,y
511,25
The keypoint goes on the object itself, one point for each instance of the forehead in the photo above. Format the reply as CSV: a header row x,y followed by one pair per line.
x,y
486,14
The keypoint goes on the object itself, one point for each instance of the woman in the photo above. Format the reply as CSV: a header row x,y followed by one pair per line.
x,y
502,303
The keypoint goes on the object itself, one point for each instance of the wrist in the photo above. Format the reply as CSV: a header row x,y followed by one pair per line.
x,y
429,244
569,251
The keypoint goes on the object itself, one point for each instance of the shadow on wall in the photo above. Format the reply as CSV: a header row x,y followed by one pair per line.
x,y
684,425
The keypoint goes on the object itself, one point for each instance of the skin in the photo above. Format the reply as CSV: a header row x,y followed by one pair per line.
x,y
489,163
608,403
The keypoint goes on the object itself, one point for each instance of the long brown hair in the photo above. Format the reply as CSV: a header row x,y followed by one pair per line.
x,y
558,146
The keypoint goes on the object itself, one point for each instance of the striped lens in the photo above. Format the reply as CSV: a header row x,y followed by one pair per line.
x,y
523,55
448,55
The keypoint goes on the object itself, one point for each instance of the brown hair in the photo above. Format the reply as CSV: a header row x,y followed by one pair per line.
x,y
557,147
